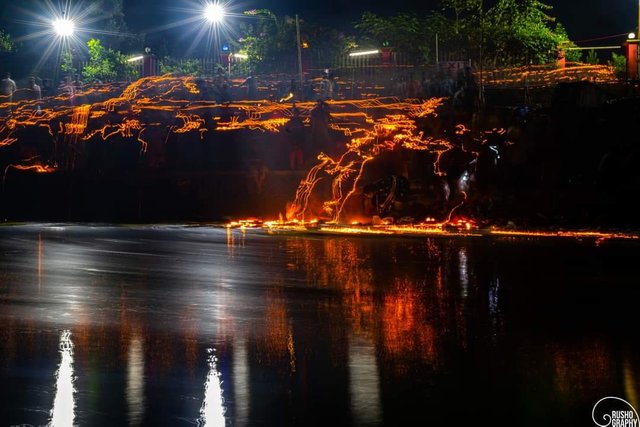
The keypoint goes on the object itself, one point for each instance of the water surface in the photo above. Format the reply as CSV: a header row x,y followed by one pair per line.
x,y
106,326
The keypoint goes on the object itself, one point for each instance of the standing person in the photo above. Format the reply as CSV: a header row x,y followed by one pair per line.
x,y
320,117
252,87
326,88
7,88
295,136
67,88
36,92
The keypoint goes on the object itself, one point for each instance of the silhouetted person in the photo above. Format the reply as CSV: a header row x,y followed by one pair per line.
x,y
68,89
256,168
7,88
36,92
320,117
326,88
295,137
252,87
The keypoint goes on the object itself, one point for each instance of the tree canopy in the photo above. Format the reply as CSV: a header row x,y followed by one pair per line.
x,y
271,43
6,44
510,32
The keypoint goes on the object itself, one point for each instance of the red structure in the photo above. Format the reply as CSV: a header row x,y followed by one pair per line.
x,y
631,54
148,65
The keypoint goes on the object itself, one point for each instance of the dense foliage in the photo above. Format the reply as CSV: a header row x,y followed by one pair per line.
x,y
511,32
6,45
106,64
271,42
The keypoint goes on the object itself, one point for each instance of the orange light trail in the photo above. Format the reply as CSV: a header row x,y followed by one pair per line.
x,y
373,126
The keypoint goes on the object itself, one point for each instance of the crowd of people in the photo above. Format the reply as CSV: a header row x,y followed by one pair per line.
x,y
34,89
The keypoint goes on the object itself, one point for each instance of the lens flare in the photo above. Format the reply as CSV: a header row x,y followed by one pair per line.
x,y
64,27
214,12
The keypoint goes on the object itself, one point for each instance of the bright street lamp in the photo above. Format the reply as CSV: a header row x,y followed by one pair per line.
x,y
64,27
214,13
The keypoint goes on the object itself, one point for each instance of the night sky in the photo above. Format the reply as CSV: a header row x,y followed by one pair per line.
x,y
584,19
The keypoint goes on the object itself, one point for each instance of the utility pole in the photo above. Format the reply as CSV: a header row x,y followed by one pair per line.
x,y
300,55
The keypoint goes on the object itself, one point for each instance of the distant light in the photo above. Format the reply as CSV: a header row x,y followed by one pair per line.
x,y
365,52
214,12
631,36
64,27
225,48
240,56
135,58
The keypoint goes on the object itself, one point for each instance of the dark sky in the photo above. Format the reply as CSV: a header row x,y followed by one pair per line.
x,y
584,19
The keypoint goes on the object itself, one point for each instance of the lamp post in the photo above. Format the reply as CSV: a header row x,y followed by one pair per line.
x,y
214,14
63,27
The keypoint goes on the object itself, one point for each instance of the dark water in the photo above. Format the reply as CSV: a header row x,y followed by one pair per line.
x,y
110,326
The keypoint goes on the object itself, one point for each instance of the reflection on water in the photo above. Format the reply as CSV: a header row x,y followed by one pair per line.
x,y
212,410
63,412
364,383
241,385
135,381
310,330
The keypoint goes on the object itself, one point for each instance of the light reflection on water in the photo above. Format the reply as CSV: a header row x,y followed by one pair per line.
x,y
135,381
213,409
63,412
309,330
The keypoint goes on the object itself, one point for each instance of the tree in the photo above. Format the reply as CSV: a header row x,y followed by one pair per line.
x,y
619,64
463,11
66,63
187,67
106,64
112,24
270,42
521,32
6,44
404,32
592,57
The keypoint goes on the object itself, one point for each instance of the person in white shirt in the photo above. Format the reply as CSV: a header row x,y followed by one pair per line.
x,y
36,92
7,88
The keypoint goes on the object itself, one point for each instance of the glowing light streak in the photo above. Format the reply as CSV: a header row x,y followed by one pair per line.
x,y
388,132
365,53
38,168
190,122
213,409
598,236
544,75
63,411
135,381
7,141
79,120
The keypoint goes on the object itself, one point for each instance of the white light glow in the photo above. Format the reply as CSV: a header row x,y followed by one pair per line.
x,y
135,58
212,410
631,36
364,382
365,52
64,27
63,412
135,382
214,12
240,56
241,387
